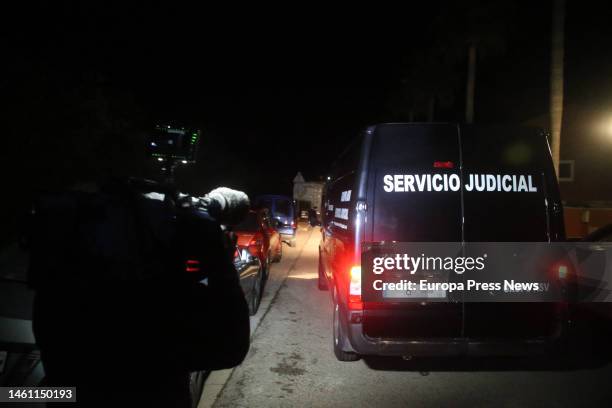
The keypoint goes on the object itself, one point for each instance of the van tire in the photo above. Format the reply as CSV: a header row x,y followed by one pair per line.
x,y
322,282
339,338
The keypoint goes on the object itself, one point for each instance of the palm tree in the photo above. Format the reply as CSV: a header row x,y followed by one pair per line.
x,y
556,79
472,29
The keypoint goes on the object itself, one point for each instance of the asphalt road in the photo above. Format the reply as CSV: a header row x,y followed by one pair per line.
x,y
291,362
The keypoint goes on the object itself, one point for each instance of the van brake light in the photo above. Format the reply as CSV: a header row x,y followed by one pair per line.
x,y
444,164
354,301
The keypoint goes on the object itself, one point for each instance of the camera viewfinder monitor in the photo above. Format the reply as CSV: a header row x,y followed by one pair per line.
x,y
176,144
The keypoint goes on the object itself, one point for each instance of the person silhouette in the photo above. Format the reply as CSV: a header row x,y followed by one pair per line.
x,y
119,312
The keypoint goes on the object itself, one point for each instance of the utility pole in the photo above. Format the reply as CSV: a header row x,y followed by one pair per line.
x,y
556,79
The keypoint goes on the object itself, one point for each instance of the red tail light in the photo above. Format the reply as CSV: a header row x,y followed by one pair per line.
x,y
354,299
444,164
192,266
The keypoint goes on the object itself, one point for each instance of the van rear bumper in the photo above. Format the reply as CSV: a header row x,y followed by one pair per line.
x,y
460,346
448,347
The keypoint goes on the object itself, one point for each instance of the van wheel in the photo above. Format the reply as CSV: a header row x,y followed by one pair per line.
x,y
322,283
340,339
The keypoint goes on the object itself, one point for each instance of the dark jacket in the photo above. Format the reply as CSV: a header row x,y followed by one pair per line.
x,y
115,308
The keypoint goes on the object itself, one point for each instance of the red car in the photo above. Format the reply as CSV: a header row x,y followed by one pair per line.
x,y
257,234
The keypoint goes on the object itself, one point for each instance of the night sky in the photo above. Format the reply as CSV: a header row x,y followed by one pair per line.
x,y
274,91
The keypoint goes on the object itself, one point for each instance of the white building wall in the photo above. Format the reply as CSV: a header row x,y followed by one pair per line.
x,y
310,191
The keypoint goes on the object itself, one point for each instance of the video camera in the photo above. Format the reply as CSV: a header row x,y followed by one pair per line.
x,y
172,146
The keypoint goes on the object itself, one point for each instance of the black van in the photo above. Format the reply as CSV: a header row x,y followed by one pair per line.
x,y
370,198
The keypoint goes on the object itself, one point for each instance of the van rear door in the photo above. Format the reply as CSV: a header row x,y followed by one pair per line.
x,y
514,208
518,201
405,203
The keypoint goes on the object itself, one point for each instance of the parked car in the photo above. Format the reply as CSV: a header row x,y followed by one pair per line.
x,y
197,379
250,271
378,192
20,363
256,234
603,234
595,247
282,208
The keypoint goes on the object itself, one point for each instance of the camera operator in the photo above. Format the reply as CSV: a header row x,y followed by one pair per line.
x,y
133,292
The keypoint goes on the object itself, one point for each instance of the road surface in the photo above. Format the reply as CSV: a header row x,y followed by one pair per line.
x,y
291,362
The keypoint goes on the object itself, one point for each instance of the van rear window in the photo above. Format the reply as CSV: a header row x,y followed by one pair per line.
x,y
283,208
403,160
506,215
451,183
